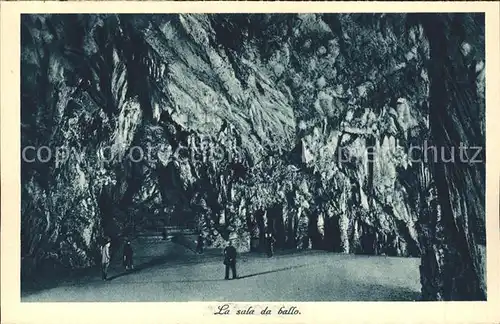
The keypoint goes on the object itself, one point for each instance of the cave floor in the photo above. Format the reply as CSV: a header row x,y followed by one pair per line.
x,y
169,272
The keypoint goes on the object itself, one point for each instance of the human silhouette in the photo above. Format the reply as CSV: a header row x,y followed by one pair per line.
x,y
128,254
199,244
270,244
105,258
230,260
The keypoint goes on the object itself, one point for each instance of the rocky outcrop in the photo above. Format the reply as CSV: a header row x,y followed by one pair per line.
x,y
457,120
298,125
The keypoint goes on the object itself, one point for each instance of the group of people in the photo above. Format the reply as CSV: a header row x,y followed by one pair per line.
x,y
230,255
128,254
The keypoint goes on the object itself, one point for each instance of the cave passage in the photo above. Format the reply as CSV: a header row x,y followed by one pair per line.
x,y
256,128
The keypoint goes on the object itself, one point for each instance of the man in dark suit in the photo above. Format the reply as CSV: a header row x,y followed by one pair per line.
x,y
270,244
128,254
199,244
230,260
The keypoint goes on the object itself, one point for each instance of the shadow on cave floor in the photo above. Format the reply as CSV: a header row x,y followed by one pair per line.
x,y
271,271
156,261
149,255
310,275
205,280
303,276
88,275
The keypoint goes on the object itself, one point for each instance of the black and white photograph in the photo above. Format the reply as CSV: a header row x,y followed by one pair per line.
x,y
252,157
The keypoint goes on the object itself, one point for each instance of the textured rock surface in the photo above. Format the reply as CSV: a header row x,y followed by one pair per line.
x,y
243,124
457,119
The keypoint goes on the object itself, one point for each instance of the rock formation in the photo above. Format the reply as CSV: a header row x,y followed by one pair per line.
x,y
300,125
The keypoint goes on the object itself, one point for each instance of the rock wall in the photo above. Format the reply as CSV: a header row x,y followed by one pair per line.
x,y
457,120
298,125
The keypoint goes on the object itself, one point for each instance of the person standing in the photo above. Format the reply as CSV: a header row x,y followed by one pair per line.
x,y
270,245
128,254
199,244
230,260
105,258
